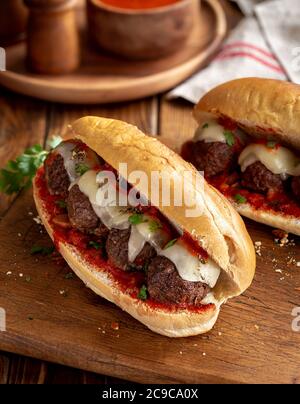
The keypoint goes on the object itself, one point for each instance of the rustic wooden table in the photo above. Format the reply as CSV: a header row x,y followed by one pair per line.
x,y
24,122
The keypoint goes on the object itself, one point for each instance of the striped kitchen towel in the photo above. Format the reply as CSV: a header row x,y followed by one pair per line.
x,y
245,53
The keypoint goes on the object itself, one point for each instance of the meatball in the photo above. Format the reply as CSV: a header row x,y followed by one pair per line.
x,y
82,215
213,158
57,178
66,162
258,178
166,286
295,184
117,250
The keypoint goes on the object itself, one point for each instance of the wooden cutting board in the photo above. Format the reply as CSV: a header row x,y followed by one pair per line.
x,y
56,318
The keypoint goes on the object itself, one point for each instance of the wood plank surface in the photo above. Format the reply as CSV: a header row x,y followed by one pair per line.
x,y
252,341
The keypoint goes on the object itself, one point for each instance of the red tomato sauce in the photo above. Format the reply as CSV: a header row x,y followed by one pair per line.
x,y
129,282
139,4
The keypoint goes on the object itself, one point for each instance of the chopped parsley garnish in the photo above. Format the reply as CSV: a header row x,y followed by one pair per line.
x,y
143,294
205,126
61,203
95,244
137,218
240,198
81,168
37,249
28,279
69,275
229,136
154,225
170,243
271,144
18,173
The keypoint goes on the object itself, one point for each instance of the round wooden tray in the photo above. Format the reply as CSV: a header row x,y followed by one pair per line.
x,y
103,78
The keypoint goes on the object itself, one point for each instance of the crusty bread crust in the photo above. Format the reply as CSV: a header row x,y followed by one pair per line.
x,y
287,223
264,108
183,323
258,105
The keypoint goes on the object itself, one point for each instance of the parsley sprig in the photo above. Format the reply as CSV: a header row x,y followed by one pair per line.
x,y
170,243
18,173
240,198
137,218
37,249
229,137
143,293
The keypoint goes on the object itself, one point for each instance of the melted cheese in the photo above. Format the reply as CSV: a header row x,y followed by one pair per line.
x,y
65,149
211,132
88,185
189,267
142,234
113,216
279,160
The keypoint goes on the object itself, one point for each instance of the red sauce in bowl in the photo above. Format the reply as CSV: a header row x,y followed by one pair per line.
x,y
139,4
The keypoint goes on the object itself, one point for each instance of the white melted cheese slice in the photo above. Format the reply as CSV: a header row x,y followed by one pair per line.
x,y
112,215
210,132
142,234
65,149
189,267
279,160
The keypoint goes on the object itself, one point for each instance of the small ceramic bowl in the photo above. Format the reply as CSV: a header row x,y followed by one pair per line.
x,y
141,34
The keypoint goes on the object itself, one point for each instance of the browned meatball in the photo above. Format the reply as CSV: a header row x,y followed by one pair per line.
x,y
213,158
295,184
82,215
166,286
57,178
79,158
258,178
117,250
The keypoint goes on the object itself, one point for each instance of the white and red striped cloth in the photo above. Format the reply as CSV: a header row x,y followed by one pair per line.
x,y
256,47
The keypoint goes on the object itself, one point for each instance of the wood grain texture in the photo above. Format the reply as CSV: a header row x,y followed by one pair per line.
x,y
252,342
141,113
4,368
250,330
22,124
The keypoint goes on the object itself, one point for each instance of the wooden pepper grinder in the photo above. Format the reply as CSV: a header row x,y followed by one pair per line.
x,y
53,40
